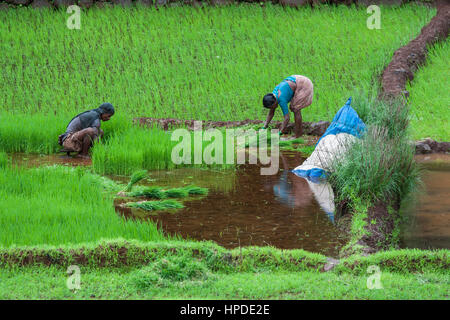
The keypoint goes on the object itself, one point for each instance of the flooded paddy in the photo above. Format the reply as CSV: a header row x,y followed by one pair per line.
x,y
428,221
251,210
245,208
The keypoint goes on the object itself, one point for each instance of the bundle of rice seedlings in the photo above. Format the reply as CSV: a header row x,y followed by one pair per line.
x,y
149,192
194,190
176,193
135,178
156,205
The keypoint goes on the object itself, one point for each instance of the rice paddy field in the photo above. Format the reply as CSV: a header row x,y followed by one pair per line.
x,y
430,97
209,63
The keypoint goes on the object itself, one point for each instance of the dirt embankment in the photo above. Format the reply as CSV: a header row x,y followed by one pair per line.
x,y
407,59
309,128
381,221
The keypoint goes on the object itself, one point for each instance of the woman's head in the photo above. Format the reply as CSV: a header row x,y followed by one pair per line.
x,y
269,100
106,111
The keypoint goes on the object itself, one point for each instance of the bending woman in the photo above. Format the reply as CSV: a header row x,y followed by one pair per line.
x,y
296,89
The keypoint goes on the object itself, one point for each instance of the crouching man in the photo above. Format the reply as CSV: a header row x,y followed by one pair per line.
x,y
84,129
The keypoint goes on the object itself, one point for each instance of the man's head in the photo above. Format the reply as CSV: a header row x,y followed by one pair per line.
x,y
269,101
106,111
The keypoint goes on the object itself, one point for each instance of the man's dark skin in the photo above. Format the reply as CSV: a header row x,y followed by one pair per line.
x,y
88,137
297,117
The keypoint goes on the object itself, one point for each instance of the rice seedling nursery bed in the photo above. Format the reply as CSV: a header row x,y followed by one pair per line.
x,y
213,63
429,97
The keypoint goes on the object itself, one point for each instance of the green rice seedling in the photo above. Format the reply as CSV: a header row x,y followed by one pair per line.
x,y
176,193
148,192
429,96
62,205
135,178
108,184
159,193
194,190
3,159
37,133
156,205
198,45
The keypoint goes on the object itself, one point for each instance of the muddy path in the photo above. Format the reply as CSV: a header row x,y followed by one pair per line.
x,y
410,57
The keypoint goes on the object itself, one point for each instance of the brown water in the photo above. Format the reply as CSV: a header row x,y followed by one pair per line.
x,y
428,220
279,210
35,160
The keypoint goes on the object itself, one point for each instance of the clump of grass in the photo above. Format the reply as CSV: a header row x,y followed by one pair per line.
x,y
171,269
381,165
158,192
156,205
135,178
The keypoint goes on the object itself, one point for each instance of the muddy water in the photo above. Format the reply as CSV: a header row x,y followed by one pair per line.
x,y
279,210
428,221
35,160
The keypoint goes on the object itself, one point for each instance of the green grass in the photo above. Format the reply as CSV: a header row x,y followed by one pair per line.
x,y
58,205
429,96
183,65
50,283
193,270
193,63
3,159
